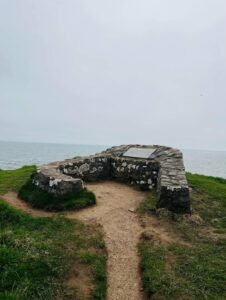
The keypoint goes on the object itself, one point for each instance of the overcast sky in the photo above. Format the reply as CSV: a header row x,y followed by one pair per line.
x,y
114,71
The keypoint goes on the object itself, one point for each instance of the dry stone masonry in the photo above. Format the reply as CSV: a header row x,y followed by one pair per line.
x,y
146,166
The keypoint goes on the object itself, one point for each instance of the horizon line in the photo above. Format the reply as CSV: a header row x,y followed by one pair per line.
x,y
104,145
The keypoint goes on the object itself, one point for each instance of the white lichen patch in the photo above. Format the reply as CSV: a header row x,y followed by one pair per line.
x,y
149,181
54,182
84,168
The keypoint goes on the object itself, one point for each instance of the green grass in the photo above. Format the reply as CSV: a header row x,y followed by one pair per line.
x,y
98,268
44,200
195,266
19,181
38,255
194,273
209,199
12,180
156,280
149,205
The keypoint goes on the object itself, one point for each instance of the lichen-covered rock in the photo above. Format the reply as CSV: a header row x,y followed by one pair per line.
x,y
49,179
128,170
90,169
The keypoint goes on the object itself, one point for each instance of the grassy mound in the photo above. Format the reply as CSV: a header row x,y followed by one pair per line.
x,y
193,266
44,200
47,258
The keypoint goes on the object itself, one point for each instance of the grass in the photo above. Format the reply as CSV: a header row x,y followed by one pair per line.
x,y
39,255
149,205
156,280
209,199
193,266
12,180
44,200
19,181
98,267
181,272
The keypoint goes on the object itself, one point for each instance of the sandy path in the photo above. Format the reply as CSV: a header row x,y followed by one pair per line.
x,y
122,230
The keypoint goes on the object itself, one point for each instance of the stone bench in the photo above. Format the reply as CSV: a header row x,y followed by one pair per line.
x,y
50,179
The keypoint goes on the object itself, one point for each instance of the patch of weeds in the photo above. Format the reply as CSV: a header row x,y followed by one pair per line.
x,y
149,203
38,198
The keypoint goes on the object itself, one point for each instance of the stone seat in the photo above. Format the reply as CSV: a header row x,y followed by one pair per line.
x,y
50,179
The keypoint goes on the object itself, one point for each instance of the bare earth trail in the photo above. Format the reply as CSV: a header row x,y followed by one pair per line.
x,y
122,231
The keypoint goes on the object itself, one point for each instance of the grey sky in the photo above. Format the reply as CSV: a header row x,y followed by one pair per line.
x,y
114,71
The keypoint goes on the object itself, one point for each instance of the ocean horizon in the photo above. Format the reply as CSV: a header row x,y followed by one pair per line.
x,y
14,155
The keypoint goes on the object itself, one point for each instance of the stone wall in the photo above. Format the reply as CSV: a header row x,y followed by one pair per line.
x,y
172,184
89,169
127,170
163,170
135,171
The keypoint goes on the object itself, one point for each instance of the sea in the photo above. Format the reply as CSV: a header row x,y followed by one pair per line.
x,y
14,155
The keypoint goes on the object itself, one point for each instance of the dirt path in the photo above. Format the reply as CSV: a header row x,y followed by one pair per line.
x,y
114,211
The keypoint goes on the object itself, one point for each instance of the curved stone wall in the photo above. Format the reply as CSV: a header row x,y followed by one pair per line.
x,y
163,170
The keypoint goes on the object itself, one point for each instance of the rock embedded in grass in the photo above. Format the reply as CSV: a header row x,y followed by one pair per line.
x,y
40,198
51,180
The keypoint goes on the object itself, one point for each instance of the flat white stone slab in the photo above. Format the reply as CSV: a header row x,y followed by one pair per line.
x,y
139,152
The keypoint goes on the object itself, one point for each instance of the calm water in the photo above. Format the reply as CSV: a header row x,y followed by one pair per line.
x,y
14,155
